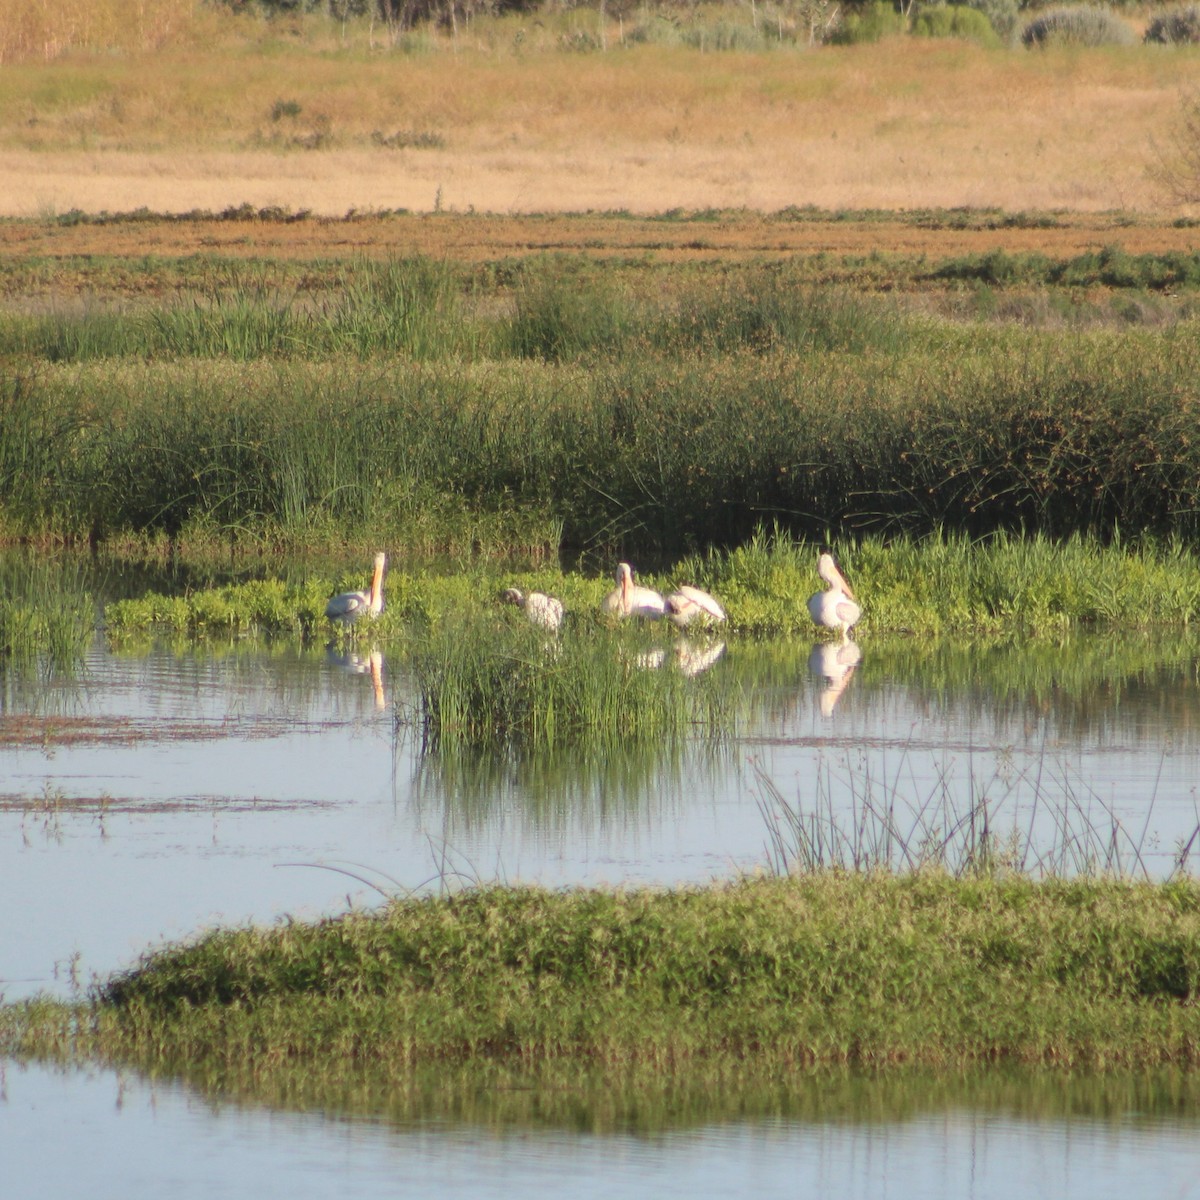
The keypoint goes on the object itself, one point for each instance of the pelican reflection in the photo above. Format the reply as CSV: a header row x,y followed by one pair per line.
x,y
833,662
690,658
361,664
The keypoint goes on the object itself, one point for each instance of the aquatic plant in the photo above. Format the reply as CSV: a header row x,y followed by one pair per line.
x,y
517,688
47,614
862,969
723,405
1033,823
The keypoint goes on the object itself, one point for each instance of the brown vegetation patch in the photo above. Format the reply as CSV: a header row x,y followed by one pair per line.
x,y
26,730
728,236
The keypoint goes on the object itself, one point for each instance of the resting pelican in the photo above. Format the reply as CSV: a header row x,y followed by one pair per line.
x,y
836,607
689,604
353,606
544,611
628,599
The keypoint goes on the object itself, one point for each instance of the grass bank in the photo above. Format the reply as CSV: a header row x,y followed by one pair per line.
x,y
947,584
832,968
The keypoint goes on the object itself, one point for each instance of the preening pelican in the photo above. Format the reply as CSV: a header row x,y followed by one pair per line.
x,y
353,606
629,599
544,611
688,605
835,607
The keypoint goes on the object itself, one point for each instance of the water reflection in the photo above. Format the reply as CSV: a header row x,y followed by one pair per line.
x,y
356,662
906,1137
834,663
158,788
689,658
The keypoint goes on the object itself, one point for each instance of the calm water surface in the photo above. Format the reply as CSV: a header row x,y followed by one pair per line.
x,y
163,791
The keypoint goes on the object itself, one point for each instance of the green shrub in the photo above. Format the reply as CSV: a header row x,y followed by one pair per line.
x,y
724,35
870,23
1082,25
1177,27
957,21
1002,15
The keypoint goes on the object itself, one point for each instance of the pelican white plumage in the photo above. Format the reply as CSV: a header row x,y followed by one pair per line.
x,y
544,611
629,599
353,606
836,607
687,605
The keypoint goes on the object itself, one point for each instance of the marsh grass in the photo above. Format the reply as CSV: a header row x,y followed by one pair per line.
x,y
1034,822
47,615
857,969
1002,587
515,689
909,428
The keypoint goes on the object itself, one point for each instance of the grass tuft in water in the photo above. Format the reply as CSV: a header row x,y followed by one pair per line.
x,y
47,615
516,688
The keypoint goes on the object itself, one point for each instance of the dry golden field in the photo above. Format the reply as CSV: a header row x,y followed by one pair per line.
x,y
212,115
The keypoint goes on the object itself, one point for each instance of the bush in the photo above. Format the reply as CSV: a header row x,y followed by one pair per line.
x,y
1175,28
1084,25
1001,13
871,23
955,20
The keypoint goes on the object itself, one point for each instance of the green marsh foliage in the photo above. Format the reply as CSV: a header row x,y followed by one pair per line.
x,y
517,689
47,614
831,968
1005,585
554,406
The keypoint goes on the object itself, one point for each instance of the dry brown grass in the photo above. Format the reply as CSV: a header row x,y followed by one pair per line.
x,y
910,123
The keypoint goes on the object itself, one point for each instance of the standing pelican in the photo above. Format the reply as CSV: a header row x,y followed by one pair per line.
x,y
629,599
353,606
689,604
544,611
835,607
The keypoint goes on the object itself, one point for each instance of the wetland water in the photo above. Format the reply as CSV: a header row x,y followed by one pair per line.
x,y
155,793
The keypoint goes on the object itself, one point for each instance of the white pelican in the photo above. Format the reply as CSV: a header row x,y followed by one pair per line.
x,y
544,611
836,607
689,604
353,606
629,599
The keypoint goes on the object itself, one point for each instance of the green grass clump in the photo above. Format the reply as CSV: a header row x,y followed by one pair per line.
x,y
515,688
868,23
835,968
47,615
267,606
